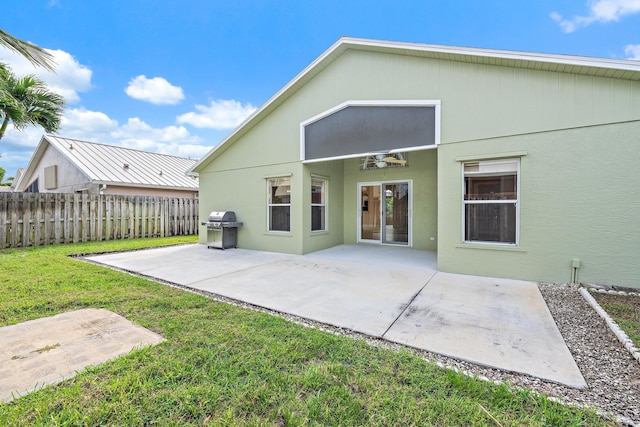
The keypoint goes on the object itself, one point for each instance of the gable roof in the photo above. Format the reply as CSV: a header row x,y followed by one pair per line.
x,y
597,67
105,164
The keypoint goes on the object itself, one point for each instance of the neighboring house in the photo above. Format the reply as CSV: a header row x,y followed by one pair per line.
x,y
63,165
16,178
508,164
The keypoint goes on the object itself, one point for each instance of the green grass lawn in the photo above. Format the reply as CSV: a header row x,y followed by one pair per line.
x,y
225,365
624,310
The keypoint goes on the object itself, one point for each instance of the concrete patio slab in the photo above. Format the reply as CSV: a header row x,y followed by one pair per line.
x,y
186,264
43,351
494,322
390,292
349,295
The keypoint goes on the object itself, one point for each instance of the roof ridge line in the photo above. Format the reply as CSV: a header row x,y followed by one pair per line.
x,y
118,147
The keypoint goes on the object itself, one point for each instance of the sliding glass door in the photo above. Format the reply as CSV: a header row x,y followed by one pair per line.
x,y
385,212
370,212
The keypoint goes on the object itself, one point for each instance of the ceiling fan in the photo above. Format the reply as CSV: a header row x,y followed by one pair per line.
x,y
383,160
394,159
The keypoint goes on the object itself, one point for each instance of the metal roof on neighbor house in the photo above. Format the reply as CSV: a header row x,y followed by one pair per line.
x,y
112,165
597,67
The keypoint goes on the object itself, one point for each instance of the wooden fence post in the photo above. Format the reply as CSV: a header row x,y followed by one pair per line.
x,y
57,215
4,202
66,225
108,209
26,220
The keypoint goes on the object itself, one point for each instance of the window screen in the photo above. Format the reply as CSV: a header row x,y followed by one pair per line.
x,y
491,201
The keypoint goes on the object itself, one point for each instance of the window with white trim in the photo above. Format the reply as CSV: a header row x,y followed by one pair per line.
x,y
279,204
318,204
491,201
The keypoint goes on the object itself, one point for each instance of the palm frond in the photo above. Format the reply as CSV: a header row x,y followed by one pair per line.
x,y
28,101
36,55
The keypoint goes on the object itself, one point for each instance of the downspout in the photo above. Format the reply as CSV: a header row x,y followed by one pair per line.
x,y
102,188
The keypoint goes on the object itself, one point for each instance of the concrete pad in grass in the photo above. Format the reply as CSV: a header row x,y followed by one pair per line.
x,y
44,351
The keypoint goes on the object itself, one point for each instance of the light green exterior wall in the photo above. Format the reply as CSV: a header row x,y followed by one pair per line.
x,y
335,220
245,192
478,101
422,170
236,179
579,198
576,196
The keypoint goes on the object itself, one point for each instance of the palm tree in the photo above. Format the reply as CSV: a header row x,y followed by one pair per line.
x,y
36,55
32,109
9,106
28,101
9,180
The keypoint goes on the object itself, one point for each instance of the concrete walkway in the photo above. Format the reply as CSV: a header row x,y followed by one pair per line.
x,y
388,292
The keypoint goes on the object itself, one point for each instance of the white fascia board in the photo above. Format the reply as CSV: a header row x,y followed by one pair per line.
x,y
583,61
372,103
33,162
372,153
134,185
270,101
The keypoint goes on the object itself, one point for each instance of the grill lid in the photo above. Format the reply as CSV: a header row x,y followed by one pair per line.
x,y
222,216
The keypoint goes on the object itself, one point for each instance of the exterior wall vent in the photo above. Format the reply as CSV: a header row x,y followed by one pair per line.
x,y
51,177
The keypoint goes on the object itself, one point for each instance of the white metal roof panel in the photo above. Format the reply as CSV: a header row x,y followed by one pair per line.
x,y
111,164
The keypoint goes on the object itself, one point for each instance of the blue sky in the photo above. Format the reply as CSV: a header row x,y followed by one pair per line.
x,y
177,76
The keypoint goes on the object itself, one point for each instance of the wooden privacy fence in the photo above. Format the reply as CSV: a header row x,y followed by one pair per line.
x,y
34,219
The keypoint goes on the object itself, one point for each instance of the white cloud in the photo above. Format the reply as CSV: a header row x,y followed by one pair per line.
x,y
137,130
78,121
27,138
135,133
599,11
633,51
156,90
219,115
70,77
17,147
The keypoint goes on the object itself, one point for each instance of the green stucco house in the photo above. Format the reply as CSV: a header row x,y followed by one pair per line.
x,y
508,164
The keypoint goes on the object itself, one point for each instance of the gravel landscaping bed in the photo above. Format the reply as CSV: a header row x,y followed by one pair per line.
x,y
611,372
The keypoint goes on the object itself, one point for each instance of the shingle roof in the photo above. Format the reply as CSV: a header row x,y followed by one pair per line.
x,y
600,67
109,164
